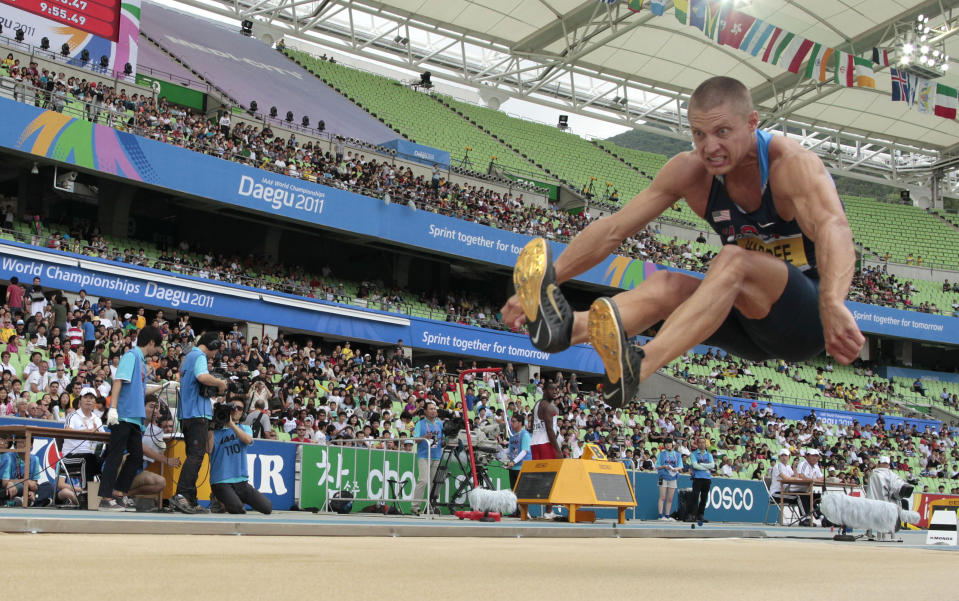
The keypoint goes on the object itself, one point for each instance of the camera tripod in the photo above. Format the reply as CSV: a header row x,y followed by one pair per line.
x,y
453,454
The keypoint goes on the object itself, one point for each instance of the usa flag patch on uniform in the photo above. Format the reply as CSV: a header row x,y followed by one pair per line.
x,y
721,215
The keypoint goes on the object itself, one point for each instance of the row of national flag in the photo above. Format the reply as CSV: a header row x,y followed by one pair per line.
x,y
719,21
924,95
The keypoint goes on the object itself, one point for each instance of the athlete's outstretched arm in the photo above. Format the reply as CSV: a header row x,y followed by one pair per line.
x,y
603,236
802,178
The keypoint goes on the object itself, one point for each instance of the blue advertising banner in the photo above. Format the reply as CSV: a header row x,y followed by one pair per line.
x,y
730,500
20,421
138,285
272,469
456,338
829,416
419,153
911,325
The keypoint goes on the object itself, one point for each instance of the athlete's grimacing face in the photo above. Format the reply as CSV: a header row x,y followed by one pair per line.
x,y
722,136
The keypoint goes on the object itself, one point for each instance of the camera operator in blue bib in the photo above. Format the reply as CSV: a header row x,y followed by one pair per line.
x,y
126,421
229,472
196,410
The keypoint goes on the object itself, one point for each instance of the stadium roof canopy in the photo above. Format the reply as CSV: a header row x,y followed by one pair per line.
x,y
600,58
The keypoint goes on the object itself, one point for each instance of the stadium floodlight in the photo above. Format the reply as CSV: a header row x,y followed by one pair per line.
x,y
253,106
426,79
19,35
273,112
85,56
104,61
289,116
321,125
44,43
127,69
246,27
305,121
65,49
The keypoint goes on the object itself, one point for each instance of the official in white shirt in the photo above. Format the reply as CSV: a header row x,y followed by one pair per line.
x,y
84,419
782,469
809,469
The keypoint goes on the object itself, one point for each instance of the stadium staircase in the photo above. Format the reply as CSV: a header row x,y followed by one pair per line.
x,y
224,97
901,231
414,115
950,218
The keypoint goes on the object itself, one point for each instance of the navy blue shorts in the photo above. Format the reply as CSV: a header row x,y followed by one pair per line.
x,y
792,331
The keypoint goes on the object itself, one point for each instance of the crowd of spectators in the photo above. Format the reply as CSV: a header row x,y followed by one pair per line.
x,y
729,375
304,390
877,286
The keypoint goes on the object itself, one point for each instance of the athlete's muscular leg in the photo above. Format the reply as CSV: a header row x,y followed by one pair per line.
x,y
645,305
751,281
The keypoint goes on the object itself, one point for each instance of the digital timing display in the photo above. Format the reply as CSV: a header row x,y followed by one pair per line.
x,y
99,17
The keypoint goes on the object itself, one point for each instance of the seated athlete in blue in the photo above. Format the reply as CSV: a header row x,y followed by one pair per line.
x,y
776,289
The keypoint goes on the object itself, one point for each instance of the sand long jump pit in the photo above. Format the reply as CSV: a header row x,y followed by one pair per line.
x,y
220,567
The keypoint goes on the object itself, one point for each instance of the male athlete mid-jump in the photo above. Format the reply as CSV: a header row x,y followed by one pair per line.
x,y
776,289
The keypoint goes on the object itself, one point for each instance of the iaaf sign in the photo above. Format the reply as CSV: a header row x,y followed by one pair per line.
x,y
724,497
272,469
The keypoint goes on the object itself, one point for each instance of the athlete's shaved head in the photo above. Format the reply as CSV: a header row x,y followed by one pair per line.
x,y
717,91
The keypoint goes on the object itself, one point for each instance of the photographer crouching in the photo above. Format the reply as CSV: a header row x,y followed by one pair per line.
x,y
227,445
197,385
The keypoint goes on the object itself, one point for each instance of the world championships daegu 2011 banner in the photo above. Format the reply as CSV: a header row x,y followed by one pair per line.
x,y
77,142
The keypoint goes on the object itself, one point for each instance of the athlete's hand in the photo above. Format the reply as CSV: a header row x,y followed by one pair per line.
x,y
112,417
843,338
513,315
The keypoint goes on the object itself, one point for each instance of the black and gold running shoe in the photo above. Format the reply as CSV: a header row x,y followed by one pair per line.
x,y
549,317
621,359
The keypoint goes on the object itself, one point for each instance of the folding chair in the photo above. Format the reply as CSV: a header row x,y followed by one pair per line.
x,y
785,502
74,467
